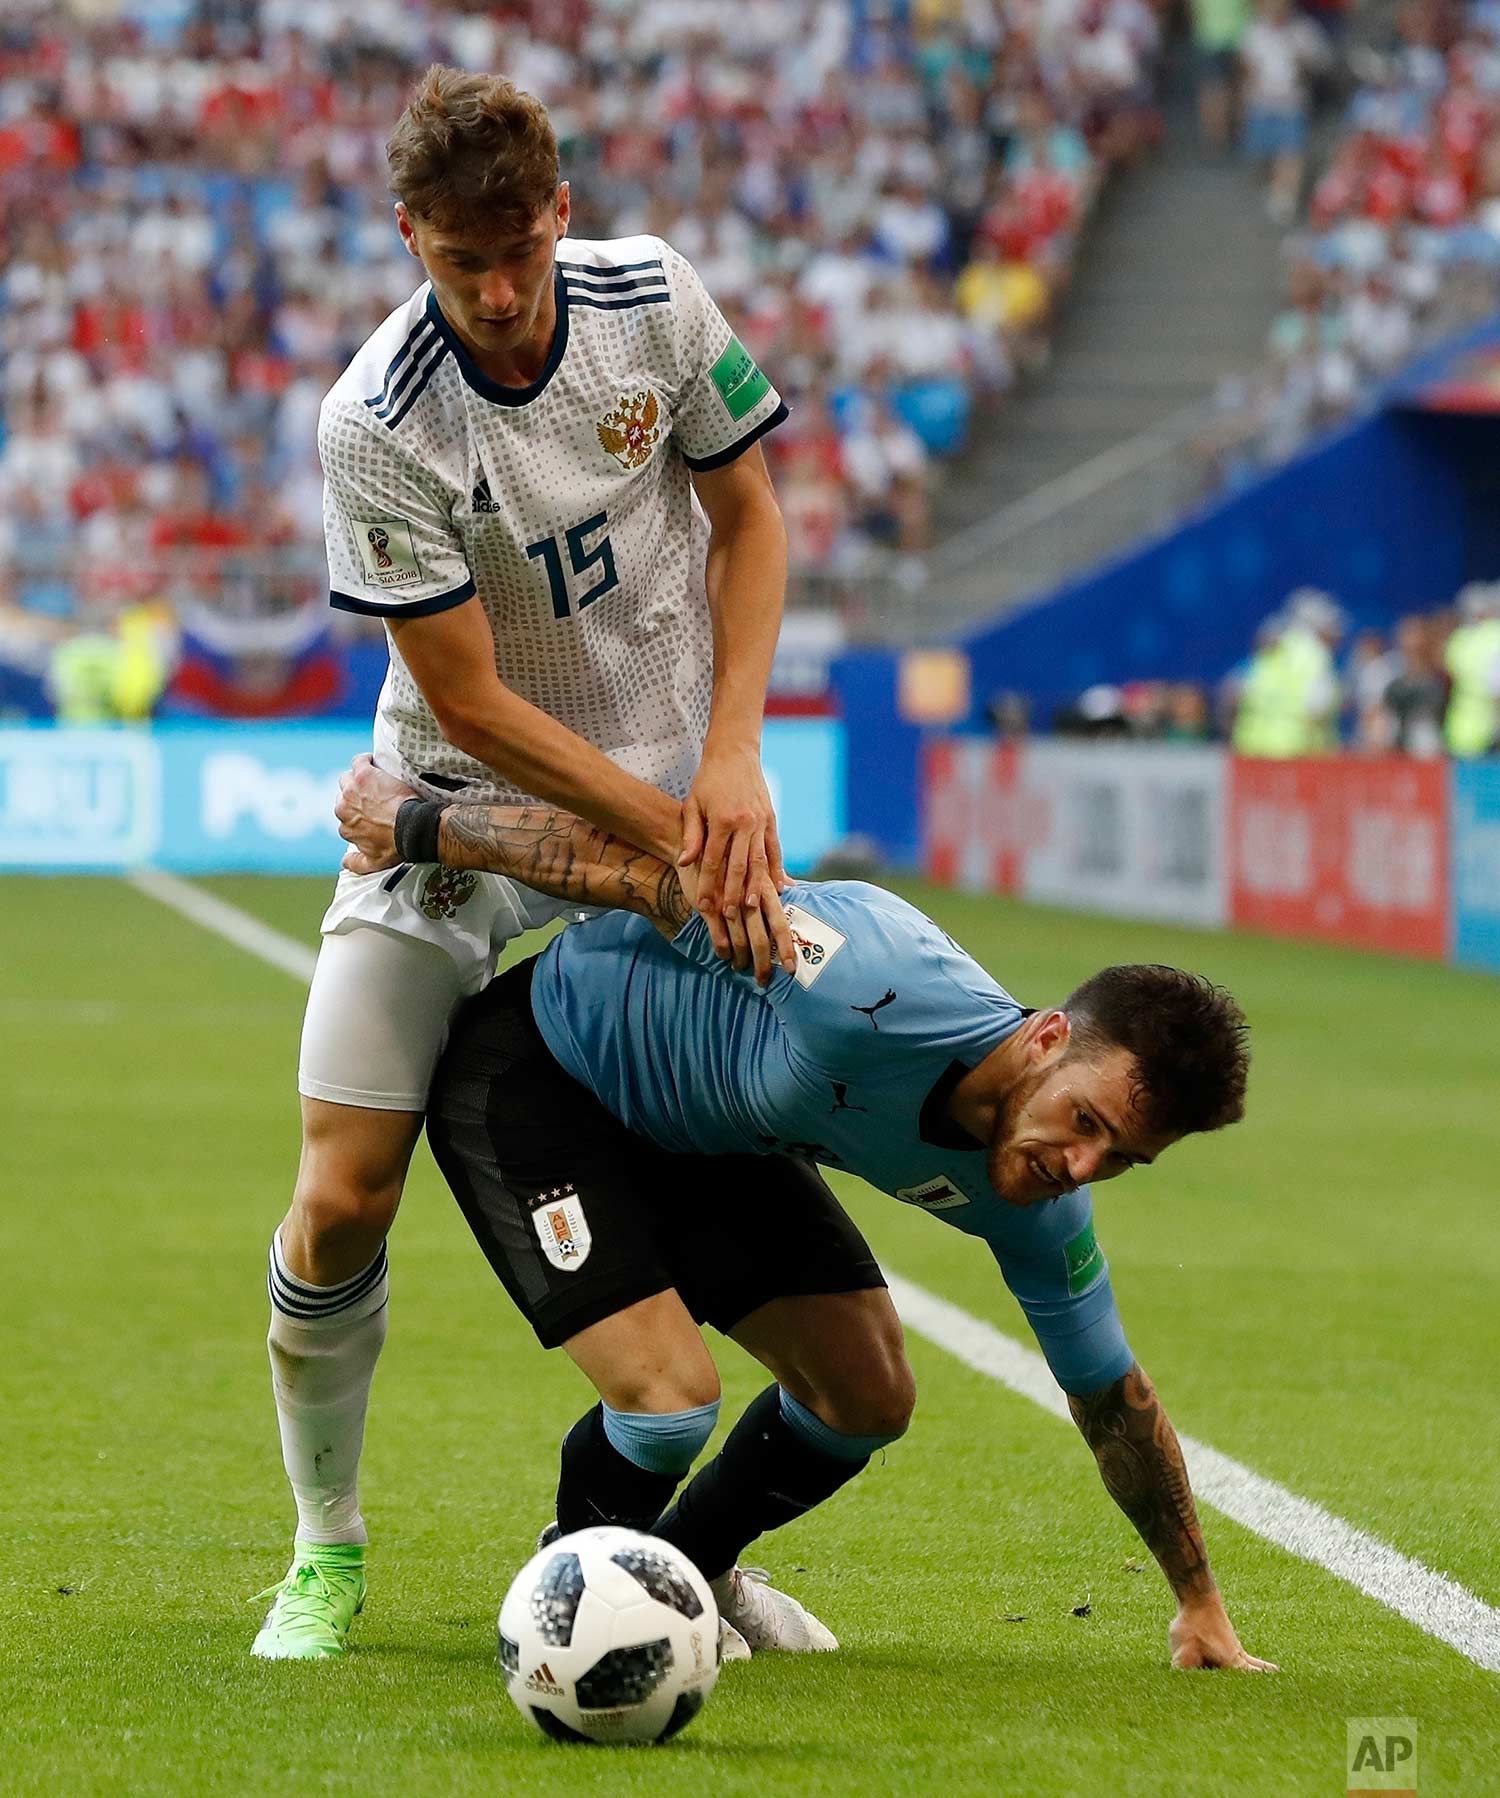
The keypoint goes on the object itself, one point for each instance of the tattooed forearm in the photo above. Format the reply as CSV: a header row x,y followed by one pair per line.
x,y
556,853
1142,1468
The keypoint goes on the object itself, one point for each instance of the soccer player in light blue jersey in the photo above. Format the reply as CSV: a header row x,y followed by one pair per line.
x,y
630,1128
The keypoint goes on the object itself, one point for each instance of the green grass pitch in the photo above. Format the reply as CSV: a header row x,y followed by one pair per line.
x,y
1316,1292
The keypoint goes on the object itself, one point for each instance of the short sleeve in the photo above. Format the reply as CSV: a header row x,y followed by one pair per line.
x,y
392,549
875,980
724,401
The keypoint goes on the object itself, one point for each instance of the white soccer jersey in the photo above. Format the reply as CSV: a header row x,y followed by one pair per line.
x,y
565,505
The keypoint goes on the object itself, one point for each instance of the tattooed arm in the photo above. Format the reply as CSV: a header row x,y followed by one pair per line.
x,y
556,853
544,848
1140,1461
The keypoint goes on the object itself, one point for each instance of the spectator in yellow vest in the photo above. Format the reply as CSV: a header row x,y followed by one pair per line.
x,y
1472,724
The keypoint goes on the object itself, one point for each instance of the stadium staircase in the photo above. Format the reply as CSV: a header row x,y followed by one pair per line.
x,y
1178,278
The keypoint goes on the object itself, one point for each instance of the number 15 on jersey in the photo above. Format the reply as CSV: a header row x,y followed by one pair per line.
x,y
582,558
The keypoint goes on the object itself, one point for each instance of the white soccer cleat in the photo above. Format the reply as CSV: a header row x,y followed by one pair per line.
x,y
732,1645
766,1618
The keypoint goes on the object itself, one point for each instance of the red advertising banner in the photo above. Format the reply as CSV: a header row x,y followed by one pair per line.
x,y
1341,849
971,802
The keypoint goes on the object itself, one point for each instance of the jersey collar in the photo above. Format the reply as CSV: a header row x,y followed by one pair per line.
x,y
934,1126
479,381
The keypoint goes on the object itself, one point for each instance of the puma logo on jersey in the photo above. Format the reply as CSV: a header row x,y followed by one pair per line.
x,y
879,1005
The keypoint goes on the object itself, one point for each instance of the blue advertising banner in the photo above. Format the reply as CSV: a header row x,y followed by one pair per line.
x,y
259,798
1476,864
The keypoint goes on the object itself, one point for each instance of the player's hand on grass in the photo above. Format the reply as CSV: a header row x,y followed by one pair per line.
x,y
729,836
1201,1635
366,810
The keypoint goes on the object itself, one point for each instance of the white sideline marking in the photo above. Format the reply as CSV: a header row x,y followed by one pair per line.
x,y
1437,1604
227,921
1433,1601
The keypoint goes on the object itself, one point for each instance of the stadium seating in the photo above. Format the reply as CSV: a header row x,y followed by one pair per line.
x,y
885,197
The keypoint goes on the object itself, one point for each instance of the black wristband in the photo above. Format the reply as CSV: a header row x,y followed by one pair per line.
x,y
417,830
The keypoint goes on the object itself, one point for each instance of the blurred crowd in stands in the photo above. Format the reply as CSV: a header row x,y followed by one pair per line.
x,y
1400,240
884,195
1309,687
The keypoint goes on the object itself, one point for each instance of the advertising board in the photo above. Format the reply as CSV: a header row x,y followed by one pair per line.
x,y
259,798
1476,864
1132,829
971,817
1342,849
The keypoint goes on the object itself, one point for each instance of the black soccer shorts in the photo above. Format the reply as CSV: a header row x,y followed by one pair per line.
x,y
580,1218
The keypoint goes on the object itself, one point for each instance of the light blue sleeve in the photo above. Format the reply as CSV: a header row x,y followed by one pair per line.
x,y
874,974
1060,1278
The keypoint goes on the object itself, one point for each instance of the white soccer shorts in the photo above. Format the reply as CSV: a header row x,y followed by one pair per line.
x,y
400,949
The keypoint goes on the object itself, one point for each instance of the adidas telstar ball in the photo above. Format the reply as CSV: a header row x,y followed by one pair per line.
x,y
609,1636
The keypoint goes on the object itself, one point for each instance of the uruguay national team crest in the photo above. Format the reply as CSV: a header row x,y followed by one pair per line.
x,y
632,428
815,942
562,1229
933,1195
445,889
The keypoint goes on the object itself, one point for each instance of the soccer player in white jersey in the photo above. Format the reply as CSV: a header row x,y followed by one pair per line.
x,y
542,472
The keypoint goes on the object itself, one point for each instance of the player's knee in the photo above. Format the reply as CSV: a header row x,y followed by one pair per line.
x,y
350,1179
881,1406
892,1398
341,1213
872,1395
333,1231
663,1391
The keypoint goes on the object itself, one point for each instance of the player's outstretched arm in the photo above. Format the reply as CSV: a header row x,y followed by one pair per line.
x,y
1140,1461
551,851
728,820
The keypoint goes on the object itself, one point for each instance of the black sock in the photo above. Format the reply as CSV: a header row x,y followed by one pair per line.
x,y
599,1485
764,1476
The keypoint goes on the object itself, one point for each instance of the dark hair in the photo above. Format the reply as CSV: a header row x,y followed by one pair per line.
x,y
1189,1040
473,151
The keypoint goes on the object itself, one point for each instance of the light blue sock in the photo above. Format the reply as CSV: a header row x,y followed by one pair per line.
x,y
812,1429
661,1441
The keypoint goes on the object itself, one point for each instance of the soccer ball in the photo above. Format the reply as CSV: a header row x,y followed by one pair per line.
x,y
609,1636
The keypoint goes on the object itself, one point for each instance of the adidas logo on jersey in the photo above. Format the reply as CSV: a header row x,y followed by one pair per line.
x,y
480,500
542,1680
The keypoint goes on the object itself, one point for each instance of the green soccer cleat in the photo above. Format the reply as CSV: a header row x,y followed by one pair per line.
x,y
322,1594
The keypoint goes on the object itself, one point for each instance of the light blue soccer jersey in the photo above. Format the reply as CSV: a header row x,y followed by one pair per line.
x,y
851,1062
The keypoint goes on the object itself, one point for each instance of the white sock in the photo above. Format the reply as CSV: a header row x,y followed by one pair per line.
x,y
324,1343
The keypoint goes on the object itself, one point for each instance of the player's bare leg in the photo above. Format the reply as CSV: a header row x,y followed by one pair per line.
x,y
843,1390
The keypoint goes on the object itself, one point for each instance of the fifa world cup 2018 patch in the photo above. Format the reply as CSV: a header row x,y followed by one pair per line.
x,y
933,1195
1084,1259
631,429
739,380
815,942
445,889
387,551
562,1229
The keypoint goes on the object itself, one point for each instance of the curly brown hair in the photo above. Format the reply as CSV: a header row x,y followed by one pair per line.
x,y
1188,1037
473,152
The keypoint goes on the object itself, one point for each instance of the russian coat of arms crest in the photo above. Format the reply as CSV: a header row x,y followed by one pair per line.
x,y
630,430
445,890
